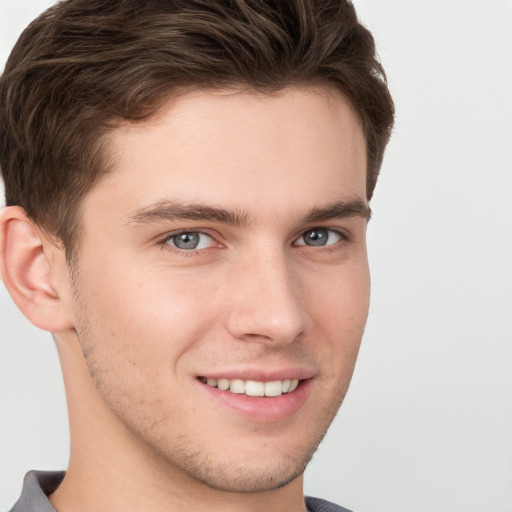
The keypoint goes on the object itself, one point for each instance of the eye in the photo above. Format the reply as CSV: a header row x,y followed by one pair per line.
x,y
189,240
319,237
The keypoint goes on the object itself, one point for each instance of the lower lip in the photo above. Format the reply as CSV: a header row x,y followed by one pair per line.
x,y
262,409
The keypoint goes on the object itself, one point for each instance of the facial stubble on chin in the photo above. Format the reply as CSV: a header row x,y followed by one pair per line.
x,y
241,476
180,453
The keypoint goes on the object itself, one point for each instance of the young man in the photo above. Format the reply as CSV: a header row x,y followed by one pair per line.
x,y
187,187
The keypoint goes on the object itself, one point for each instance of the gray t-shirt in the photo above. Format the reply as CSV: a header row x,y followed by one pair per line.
x,y
39,484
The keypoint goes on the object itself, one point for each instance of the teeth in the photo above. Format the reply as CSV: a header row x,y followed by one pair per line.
x,y
253,387
293,385
237,386
222,384
273,388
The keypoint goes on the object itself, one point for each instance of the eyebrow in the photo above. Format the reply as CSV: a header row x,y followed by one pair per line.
x,y
171,210
339,210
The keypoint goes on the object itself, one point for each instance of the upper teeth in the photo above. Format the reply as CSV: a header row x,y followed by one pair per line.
x,y
253,387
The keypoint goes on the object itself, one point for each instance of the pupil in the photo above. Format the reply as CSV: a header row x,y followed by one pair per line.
x,y
186,240
317,237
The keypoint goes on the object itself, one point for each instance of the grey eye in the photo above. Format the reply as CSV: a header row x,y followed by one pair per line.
x,y
319,237
190,240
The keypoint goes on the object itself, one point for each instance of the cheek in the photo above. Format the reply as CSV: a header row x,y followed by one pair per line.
x,y
136,327
149,299
339,311
341,299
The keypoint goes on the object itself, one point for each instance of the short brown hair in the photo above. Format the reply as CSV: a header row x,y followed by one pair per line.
x,y
85,65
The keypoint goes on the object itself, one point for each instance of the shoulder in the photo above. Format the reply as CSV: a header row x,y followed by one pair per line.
x,y
318,505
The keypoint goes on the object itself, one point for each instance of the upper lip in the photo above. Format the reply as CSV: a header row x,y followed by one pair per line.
x,y
261,375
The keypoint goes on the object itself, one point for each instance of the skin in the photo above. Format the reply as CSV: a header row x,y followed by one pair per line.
x,y
142,320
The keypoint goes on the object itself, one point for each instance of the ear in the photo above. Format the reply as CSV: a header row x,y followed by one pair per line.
x,y
29,264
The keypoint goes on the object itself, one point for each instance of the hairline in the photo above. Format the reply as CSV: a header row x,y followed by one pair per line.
x,y
107,157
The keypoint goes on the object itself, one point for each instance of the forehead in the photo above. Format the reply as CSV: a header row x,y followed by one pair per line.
x,y
300,144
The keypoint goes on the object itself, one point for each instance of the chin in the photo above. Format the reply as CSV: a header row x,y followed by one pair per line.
x,y
259,469
246,478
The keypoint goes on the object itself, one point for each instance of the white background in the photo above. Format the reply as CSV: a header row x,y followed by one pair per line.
x,y
427,424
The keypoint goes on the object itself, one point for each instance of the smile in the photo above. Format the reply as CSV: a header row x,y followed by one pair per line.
x,y
253,387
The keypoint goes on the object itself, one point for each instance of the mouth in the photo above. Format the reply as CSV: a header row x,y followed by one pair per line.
x,y
253,387
259,397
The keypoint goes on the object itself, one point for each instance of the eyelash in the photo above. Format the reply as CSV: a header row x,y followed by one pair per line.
x,y
164,242
341,234
343,238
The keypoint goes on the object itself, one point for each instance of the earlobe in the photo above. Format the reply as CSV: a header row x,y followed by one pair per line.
x,y
27,271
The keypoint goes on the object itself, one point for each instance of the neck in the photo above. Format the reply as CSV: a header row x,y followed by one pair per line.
x,y
110,469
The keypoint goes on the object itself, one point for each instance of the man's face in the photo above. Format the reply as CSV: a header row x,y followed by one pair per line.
x,y
227,248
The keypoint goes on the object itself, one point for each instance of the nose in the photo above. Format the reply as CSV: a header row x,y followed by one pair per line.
x,y
266,303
